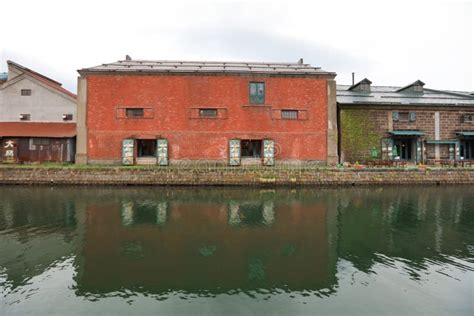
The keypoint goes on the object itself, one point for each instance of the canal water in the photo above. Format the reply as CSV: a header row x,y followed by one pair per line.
x,y
233,251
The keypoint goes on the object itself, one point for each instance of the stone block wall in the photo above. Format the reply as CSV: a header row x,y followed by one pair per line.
x,y
230,176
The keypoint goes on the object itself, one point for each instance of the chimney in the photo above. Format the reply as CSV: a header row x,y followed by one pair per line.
x,y
353,78
300,61
127,57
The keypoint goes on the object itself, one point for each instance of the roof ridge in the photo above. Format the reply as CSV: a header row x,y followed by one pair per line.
x,y
213,62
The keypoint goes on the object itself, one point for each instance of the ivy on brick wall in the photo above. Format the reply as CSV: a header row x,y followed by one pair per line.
x,y
359,135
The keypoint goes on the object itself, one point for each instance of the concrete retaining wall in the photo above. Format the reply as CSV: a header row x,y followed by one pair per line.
x,y
229,176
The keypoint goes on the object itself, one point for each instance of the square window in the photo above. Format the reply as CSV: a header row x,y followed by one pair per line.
x,y
257,92
289,114
67,117
208,112
26,92
135,112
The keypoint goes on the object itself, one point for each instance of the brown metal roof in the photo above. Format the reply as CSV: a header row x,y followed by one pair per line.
x,y
33,129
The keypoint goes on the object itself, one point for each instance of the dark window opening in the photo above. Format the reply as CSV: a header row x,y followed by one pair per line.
x,y
67,117
289,114
467,150
403,149
257,92
26,92
208,112
251,148
146,148
25,117
135,112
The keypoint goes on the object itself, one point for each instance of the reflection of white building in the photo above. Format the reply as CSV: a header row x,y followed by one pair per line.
x,y
251,213
27,249
146,212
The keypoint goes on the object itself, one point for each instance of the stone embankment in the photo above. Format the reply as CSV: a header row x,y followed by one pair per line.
x,y
263,176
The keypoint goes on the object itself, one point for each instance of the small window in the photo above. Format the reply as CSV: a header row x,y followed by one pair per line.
x,y
41,141
25,92
208,112
257,92
25,117
289,114
135,112
67,117
404,116
467,118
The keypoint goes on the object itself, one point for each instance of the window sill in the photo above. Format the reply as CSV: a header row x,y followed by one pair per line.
x,y
256,106
207,118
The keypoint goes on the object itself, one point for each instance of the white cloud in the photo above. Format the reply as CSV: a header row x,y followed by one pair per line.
x,y
390,42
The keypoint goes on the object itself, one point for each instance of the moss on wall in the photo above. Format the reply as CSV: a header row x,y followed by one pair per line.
x,y
359,134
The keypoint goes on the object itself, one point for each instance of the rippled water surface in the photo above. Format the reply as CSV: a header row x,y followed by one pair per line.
x,y
218,251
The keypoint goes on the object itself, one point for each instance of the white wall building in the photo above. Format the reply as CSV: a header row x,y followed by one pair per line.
x,y
37,117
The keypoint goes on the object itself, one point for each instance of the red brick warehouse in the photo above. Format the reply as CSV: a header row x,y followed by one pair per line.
x,y
160,112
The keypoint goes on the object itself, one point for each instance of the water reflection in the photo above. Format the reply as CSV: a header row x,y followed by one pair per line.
x,y
205,242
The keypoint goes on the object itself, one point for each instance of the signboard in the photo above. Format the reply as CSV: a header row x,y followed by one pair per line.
x,y
128,151
9,150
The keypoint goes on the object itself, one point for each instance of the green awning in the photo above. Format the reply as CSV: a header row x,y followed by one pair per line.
x,y
443,142
407,133
466,133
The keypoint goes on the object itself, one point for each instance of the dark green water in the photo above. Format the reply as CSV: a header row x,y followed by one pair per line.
x,y
216,251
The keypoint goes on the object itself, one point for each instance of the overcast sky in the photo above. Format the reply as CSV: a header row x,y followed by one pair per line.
x,y
389,42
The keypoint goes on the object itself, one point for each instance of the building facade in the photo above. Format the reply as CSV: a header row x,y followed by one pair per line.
x,y
37,118
160,112
411,123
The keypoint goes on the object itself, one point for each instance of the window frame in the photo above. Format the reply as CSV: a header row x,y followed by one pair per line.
x,y
25,92
468,118
290,118
404,116
25,117
67,117
203,110
252,97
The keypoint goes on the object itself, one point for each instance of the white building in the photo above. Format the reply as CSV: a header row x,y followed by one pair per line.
x,y
37,117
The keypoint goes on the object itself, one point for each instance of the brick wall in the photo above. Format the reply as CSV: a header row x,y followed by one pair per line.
x,y
451,120
172,101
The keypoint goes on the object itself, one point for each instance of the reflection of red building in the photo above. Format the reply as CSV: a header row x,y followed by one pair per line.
x,y
197,247
203,110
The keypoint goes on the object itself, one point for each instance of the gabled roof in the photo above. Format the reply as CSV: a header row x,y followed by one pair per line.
x,y
34,129
390,95
416,83
183,67
363,81
46,80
